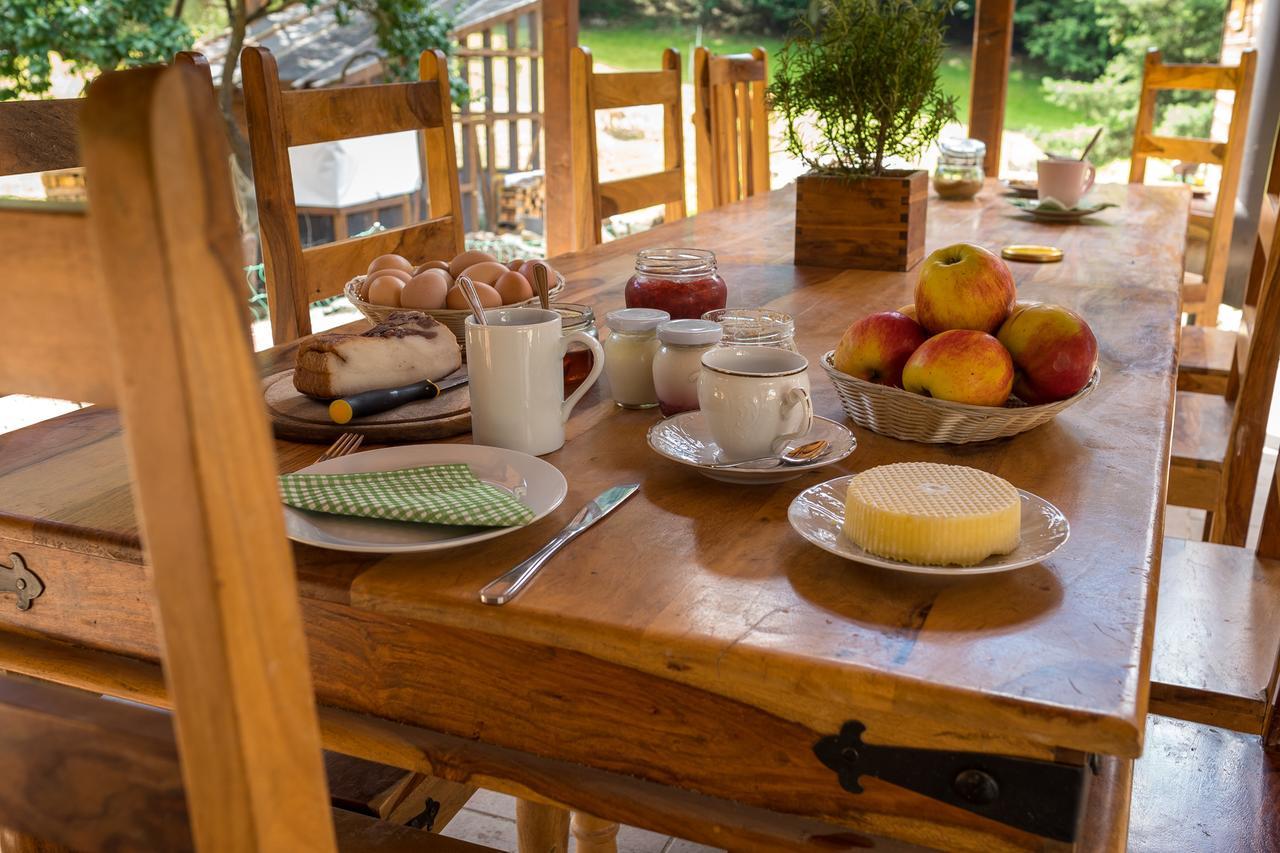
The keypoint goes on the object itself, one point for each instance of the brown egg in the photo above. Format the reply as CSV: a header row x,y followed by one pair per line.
x,y
489,297
426,291
390,262
403,275
486,271
513,288
433,265
467,259
515,265
385,290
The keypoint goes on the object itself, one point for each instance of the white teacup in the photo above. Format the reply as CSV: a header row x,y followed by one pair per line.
x,y
1065,181
755,399
515,366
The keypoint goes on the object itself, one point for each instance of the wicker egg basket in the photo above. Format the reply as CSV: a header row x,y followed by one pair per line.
x,y
451,317
913,417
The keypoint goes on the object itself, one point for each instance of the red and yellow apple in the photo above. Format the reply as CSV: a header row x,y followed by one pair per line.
x,y
909,311
876,347
964,287
1054,351
963,366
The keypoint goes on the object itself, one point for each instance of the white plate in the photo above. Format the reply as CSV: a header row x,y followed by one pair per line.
x,y
817,514
537,484
686,438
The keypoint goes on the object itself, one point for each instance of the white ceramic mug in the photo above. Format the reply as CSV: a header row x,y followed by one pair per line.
x,y
1064,180
755,399
515,366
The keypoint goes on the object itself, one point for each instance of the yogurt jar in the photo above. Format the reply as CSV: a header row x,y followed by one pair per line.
x,y
679,361
628,355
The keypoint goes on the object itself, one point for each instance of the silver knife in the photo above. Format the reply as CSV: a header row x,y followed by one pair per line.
x,y
508,586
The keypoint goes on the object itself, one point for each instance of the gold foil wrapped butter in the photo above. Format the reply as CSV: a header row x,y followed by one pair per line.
x,y
932,515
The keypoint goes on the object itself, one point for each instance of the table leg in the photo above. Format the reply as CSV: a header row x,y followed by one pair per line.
x,y
542,828
595,835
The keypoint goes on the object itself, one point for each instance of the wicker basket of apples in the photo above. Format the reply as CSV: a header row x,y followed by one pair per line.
x,y
967,361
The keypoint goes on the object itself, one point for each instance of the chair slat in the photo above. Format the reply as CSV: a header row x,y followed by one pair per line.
x,y
1177,148
628,194
328,115
337,263
1191,76
634,89
55,342
736,68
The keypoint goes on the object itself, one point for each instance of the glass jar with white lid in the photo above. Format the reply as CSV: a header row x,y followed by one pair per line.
x,y
628,355
679,362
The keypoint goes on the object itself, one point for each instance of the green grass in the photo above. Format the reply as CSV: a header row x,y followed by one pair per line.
x,y
634,47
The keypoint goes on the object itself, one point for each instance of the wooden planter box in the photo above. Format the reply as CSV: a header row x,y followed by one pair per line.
x,y
861,223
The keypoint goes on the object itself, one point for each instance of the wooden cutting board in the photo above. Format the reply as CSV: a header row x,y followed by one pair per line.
x,y
297,417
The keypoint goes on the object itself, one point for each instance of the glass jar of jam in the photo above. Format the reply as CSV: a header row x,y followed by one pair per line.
x,y
682,282
755,327
959,173
577,359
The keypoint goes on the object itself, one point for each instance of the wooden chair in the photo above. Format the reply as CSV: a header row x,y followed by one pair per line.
x,y
1218,440
279,120
595,201
162,236
730,125
1201,294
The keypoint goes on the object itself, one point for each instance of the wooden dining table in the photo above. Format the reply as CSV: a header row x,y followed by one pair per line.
x,y
690,664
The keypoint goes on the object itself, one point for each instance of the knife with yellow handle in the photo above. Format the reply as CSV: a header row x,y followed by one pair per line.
x,y
343,410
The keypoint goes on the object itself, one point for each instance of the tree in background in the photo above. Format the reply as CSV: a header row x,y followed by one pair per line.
x,y
1186,31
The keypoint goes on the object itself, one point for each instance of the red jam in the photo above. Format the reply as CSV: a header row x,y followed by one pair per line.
x,y
682,282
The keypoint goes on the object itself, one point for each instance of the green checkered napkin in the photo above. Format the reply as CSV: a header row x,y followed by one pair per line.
x,y
435,494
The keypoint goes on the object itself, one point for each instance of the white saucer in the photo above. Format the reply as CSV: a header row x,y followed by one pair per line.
x,y
537,484
817,514
686,438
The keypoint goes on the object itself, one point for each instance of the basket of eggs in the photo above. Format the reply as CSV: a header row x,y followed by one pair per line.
x,y
394,283
967,361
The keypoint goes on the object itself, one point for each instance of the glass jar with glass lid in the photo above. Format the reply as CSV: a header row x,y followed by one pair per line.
x,y
755,327
959,173
682,282
577,359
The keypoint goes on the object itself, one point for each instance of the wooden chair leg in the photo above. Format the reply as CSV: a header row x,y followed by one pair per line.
x,y
595,835
541,828
1206,535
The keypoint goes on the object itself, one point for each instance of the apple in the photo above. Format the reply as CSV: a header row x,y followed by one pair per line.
x,y
876,347
1054,351
963,366
964,287
909,311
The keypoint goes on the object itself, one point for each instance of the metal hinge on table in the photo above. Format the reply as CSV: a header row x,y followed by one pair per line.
x,y
20,580
1041,797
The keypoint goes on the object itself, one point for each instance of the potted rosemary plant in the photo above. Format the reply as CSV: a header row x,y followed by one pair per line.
x,y
858,91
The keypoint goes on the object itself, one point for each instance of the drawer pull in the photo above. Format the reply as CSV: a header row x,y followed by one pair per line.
x,y
21,581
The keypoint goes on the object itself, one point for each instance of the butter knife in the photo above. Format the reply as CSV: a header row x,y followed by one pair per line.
x,y
508,586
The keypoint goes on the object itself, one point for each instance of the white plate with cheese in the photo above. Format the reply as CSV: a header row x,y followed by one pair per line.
x,y
818,514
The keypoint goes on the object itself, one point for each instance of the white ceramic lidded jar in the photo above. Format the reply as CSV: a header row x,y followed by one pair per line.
x,y
628,355
679,361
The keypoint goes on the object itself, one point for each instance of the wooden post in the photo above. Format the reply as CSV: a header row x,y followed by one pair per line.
x,y
989,75
559,37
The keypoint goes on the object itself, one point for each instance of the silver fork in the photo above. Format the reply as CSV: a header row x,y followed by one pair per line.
x,y
347,443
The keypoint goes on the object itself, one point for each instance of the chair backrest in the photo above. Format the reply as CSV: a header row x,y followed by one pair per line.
x,y
731,125
1252,379
279,120
1228,154
595,201
151,275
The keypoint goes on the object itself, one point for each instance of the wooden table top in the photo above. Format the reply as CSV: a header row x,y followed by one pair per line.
x,y
705,583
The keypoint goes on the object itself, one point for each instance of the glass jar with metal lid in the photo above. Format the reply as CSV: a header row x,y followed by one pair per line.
x,y
577,359
755,327
959,173
683,282
679,362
